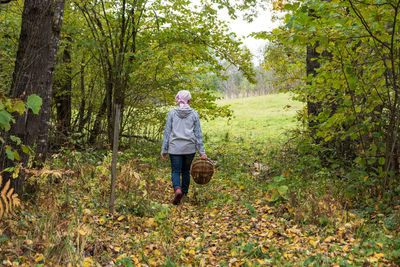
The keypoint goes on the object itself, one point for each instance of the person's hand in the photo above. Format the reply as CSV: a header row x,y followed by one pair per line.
x,y
204,156
164,156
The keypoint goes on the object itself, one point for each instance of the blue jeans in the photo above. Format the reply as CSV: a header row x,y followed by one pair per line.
x,y
180,165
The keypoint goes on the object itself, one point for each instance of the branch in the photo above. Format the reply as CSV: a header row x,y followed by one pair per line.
x,y
392,47
139,137
365,24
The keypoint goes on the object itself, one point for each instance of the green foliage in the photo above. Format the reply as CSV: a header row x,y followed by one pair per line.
x,y
34,102
278,188
356,124
9,106
285,61
126,262
10,25
153,52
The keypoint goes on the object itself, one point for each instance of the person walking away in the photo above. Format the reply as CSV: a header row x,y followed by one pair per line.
x,y
182,138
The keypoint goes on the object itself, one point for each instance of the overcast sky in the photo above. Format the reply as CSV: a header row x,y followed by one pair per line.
x,y
263,22
242,28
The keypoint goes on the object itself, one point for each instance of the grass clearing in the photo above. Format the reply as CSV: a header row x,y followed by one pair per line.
x,y
258,118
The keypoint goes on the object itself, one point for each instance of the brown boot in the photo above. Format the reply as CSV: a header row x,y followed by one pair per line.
x,y
178,196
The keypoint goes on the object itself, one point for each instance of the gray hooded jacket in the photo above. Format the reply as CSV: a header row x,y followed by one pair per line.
x,y
182,134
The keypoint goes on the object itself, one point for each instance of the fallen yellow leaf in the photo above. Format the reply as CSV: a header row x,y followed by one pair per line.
x,y
379,255
150,222
87,262
313,243
81,232
121,256
39,257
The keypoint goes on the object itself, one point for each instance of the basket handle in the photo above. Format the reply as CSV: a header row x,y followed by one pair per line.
x,y
200,159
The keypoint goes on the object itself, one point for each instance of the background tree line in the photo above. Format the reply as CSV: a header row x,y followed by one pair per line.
x,y
134,53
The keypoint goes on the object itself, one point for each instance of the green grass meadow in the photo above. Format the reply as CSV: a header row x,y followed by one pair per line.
x,y
257,118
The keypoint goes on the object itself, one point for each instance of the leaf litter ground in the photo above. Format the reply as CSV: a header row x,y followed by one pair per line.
x,y
223,223
228,225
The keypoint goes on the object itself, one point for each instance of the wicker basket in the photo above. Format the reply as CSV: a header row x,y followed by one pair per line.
x,y
202,170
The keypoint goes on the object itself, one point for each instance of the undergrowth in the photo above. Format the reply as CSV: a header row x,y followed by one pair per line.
x,y
270,202
67,222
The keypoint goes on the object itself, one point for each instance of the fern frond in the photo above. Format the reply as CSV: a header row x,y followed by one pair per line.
x,y
1,204
1,209
3,194
8,199
16,202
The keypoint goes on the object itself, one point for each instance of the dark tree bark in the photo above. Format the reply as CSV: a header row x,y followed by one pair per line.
x,y
96,127
62,97
33,74
312,65
82,106
82,119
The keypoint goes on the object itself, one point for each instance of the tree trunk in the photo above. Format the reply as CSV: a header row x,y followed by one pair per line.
x,y
33,74
62,98
81,113
114,158
96,126
312,64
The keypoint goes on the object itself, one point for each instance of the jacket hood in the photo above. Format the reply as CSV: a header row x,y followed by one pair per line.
x,y
183,112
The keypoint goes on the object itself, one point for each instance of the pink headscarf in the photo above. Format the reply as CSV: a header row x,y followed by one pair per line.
x,y
182,98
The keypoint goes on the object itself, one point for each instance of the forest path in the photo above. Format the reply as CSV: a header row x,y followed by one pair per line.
x,y
226,224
